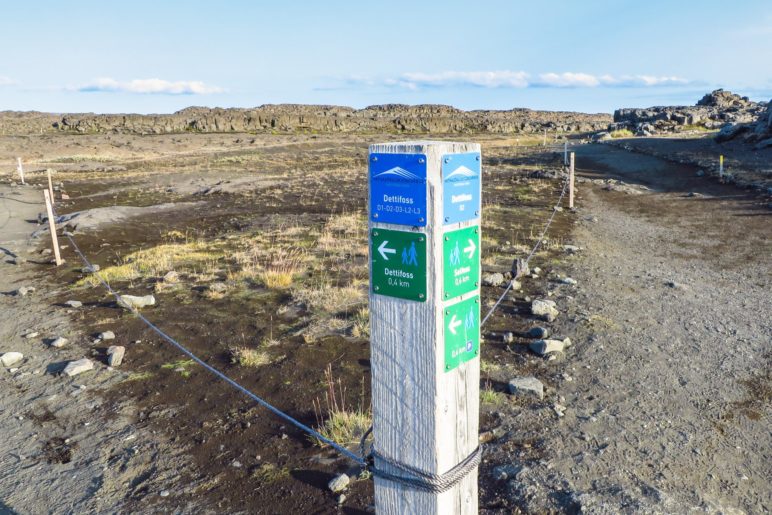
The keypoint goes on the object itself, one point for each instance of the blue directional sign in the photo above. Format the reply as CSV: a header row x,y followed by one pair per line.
x,y
398,189
461,187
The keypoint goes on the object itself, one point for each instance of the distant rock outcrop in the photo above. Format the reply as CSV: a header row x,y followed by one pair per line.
x,y
714,111
310,118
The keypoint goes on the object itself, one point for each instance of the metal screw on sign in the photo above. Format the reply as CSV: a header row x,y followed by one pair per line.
x,y
420,219
374,158
421,160
375,215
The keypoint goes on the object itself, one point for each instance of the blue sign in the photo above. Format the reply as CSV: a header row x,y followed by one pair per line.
x,y
398,189
461,187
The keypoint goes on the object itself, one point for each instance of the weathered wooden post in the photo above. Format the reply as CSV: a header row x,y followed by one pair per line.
x,y
50,186
20,169
424,223
52,227
544,141
571,182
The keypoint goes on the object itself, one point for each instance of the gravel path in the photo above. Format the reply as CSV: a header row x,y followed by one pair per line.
x,y
668,383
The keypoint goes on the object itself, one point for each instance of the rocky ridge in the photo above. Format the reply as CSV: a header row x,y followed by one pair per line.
x,y
714,111
396,118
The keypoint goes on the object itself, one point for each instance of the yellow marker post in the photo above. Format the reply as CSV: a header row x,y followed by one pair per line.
x,y
721,166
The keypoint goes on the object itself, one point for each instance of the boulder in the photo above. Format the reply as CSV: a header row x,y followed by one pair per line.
x,y
135,302
523,386
59,342
115,355
544,347
9,359
74,368
495,279
537,332
107,335
730,131
545,309
338,483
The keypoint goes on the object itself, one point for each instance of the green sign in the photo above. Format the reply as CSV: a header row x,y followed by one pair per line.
x,y
399,264
461,261
462,332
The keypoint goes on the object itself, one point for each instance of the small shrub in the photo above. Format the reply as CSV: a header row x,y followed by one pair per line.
x,y
622,133
339,424
247,357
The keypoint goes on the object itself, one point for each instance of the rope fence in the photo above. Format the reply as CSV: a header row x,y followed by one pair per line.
x,y
409,476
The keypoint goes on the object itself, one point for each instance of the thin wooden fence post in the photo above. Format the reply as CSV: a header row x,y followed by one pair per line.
x,y
20,169
50,186
52,227
721,167
565,153
424,229
544,141
571,182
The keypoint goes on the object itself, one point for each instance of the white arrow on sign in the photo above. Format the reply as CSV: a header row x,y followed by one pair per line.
x,y
453,324
469,249
384,250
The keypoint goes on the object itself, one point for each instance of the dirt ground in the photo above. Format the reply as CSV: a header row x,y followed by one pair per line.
x,y
665,388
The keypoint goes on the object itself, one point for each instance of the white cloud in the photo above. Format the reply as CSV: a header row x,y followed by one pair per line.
x,y
517,80
7,81
151,86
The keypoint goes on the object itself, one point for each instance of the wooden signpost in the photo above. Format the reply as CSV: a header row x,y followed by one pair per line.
x,y
52,227
424,227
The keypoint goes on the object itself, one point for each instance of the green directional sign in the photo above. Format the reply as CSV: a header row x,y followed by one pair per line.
x,y
399,264
462,332
461,261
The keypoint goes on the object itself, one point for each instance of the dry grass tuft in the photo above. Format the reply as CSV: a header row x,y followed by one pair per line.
x,y
336,422
247,357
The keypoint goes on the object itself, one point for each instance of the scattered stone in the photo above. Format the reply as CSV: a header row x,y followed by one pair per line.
x,y
341,499
508,337
164,493
545,309
11,358
115,355
559,409
505,472
520,267
516,285
558,209
700,173
495,279
544,347
537,332
338,483
521,386
31,334
171,277
571,249
89,269
59,342
136,302
217,287
675,285
73,303
236,464
107,335
24,290
74,368
568,280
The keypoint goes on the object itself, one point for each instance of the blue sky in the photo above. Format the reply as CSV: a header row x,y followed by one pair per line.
x,y
592,56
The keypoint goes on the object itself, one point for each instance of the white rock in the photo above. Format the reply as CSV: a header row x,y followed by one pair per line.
x,y
59,342
571,249
115,355
133,301
74,368
73,303
568,280
107,335
526,386
31,334
338,483
24,290
544,308
171,277
11,358
543,347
